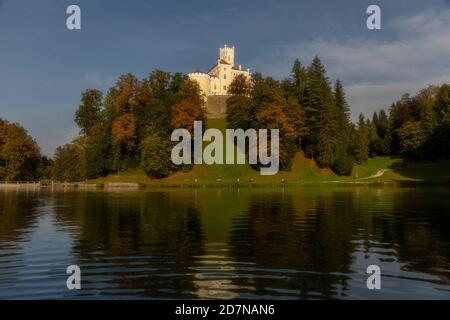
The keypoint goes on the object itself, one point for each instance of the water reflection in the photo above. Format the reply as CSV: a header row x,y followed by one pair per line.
x,y
226,243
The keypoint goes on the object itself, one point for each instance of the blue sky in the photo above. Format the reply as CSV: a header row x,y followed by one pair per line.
x,y
44,67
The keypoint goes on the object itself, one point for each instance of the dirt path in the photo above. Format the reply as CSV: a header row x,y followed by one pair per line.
x,y
379,173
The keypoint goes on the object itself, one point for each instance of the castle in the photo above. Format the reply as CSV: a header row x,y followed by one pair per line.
x,y
219,77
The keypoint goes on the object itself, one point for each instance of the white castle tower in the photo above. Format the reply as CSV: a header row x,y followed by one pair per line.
x,y
227,54
219,77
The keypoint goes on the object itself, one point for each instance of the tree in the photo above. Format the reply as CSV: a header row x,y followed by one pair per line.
x,y
124,131
342,118
443,101
70,162
98,152
298,80
272,116
240,86
343,166
184,113
156,157
122,98
359,148
329,141
296,115
412,138
89,112
19,154
124,141
240,112
382,124
317,103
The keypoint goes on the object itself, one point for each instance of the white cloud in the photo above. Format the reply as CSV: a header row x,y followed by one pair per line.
x,y
377,72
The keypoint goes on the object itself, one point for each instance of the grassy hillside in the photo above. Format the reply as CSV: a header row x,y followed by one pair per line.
x,y
303,171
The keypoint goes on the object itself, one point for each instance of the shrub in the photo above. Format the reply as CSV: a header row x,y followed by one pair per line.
x,y
343,166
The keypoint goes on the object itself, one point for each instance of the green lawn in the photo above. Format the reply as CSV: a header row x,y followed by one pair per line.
x,y
303,171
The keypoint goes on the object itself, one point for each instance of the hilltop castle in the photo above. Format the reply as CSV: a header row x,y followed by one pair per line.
x,y
219,77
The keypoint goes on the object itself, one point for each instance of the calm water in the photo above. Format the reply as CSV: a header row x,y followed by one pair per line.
x,y
225,243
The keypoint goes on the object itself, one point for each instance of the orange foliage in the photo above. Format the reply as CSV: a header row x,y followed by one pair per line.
x,y
185,113
273,117
124,130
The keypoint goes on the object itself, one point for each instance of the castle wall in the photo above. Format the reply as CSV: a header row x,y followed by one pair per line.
x,y
216,106
203,80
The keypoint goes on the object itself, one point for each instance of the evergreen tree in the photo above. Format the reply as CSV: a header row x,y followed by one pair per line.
x,y
298,81
317,103
360,143
342,115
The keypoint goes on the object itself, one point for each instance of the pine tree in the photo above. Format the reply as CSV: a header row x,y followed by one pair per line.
x,y
360,143
298,80
342,114
317,104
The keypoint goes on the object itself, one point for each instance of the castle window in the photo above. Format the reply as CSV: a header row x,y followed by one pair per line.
x,y
224,87
224,76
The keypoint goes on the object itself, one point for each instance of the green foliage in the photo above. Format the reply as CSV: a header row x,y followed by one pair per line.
x,y
343,166
130,127
266,106
97,149
412,138
70,164
305,109
240,113
118,132
19,154
155,157
240,86
418,126
359,148
89,112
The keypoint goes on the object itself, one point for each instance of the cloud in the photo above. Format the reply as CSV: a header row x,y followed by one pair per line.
x,y
98,80
415,53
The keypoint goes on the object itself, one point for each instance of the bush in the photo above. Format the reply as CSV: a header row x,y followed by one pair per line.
x,y
343,166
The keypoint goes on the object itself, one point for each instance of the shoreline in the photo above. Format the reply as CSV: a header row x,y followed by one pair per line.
x,y
129,186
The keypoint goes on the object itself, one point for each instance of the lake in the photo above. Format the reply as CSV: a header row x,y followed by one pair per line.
x,y
213,243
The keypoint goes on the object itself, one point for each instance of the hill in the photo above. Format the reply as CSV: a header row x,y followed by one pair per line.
x,y
304,171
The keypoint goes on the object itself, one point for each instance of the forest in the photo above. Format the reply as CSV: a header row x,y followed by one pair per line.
x,y
130,126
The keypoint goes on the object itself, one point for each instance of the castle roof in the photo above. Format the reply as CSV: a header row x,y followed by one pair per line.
x,y
221,61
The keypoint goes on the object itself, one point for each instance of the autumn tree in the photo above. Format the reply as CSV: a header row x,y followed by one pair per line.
x,y
184,113
19,154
